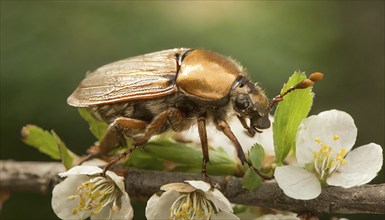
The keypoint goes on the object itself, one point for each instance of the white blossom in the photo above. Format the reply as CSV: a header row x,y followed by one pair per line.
x,y
190,200
323,151
86,193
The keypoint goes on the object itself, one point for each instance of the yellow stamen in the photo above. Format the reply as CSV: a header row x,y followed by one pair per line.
x,y
191,206
94,195
96,210
71,197
325,147
185,206
326,160
343,151
200,213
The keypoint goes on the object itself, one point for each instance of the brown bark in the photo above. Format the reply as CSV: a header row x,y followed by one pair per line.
x,y
41,177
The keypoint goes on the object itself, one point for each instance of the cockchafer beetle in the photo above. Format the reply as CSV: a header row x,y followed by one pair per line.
x,y
146,95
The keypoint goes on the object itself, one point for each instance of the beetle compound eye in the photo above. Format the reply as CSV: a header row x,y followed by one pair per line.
x,y
242,102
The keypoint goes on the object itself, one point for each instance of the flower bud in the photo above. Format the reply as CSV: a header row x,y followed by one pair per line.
x,y
305,84
317,76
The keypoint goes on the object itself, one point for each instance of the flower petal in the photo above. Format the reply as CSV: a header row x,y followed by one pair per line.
x,y
201,185
158,207
81,170
325,126
362,165
179,187
119,180
94,162
61,205
265,138
219,200
223,215
297,182
105,213
125,212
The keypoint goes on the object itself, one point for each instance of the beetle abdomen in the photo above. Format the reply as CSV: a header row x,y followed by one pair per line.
x,y
144,110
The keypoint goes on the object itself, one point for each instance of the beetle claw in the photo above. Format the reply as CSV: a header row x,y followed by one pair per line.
x,y
260,173
207,178
256,130
251,132
118,158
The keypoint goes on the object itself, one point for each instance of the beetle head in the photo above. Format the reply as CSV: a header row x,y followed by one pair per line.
x,y
249,101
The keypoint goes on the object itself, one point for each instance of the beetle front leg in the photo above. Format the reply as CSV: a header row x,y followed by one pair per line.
x,y
225,128
115,134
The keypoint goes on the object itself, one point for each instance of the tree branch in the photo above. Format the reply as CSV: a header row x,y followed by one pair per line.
x,y
41,177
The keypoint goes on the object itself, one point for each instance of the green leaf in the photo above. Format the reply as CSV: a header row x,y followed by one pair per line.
x,y
97,128
221,169
288,115
256,155
189,159
48,143
40,139
144,160
175,152
237,209
66,156
251,180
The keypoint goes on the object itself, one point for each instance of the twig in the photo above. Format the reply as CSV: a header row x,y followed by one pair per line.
x,y
38,177
41,177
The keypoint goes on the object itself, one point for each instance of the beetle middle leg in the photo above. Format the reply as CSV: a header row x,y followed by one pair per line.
x,y
225,128
205,148
176,119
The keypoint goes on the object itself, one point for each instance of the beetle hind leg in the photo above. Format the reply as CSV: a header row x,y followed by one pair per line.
x,y
158,125
115,136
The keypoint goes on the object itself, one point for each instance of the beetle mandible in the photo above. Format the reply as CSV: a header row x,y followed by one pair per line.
x,y
146,95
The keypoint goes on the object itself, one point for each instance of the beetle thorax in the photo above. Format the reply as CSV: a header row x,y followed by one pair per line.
x,y
207,75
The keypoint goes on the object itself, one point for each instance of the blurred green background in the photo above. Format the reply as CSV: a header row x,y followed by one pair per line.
x,y
47,47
